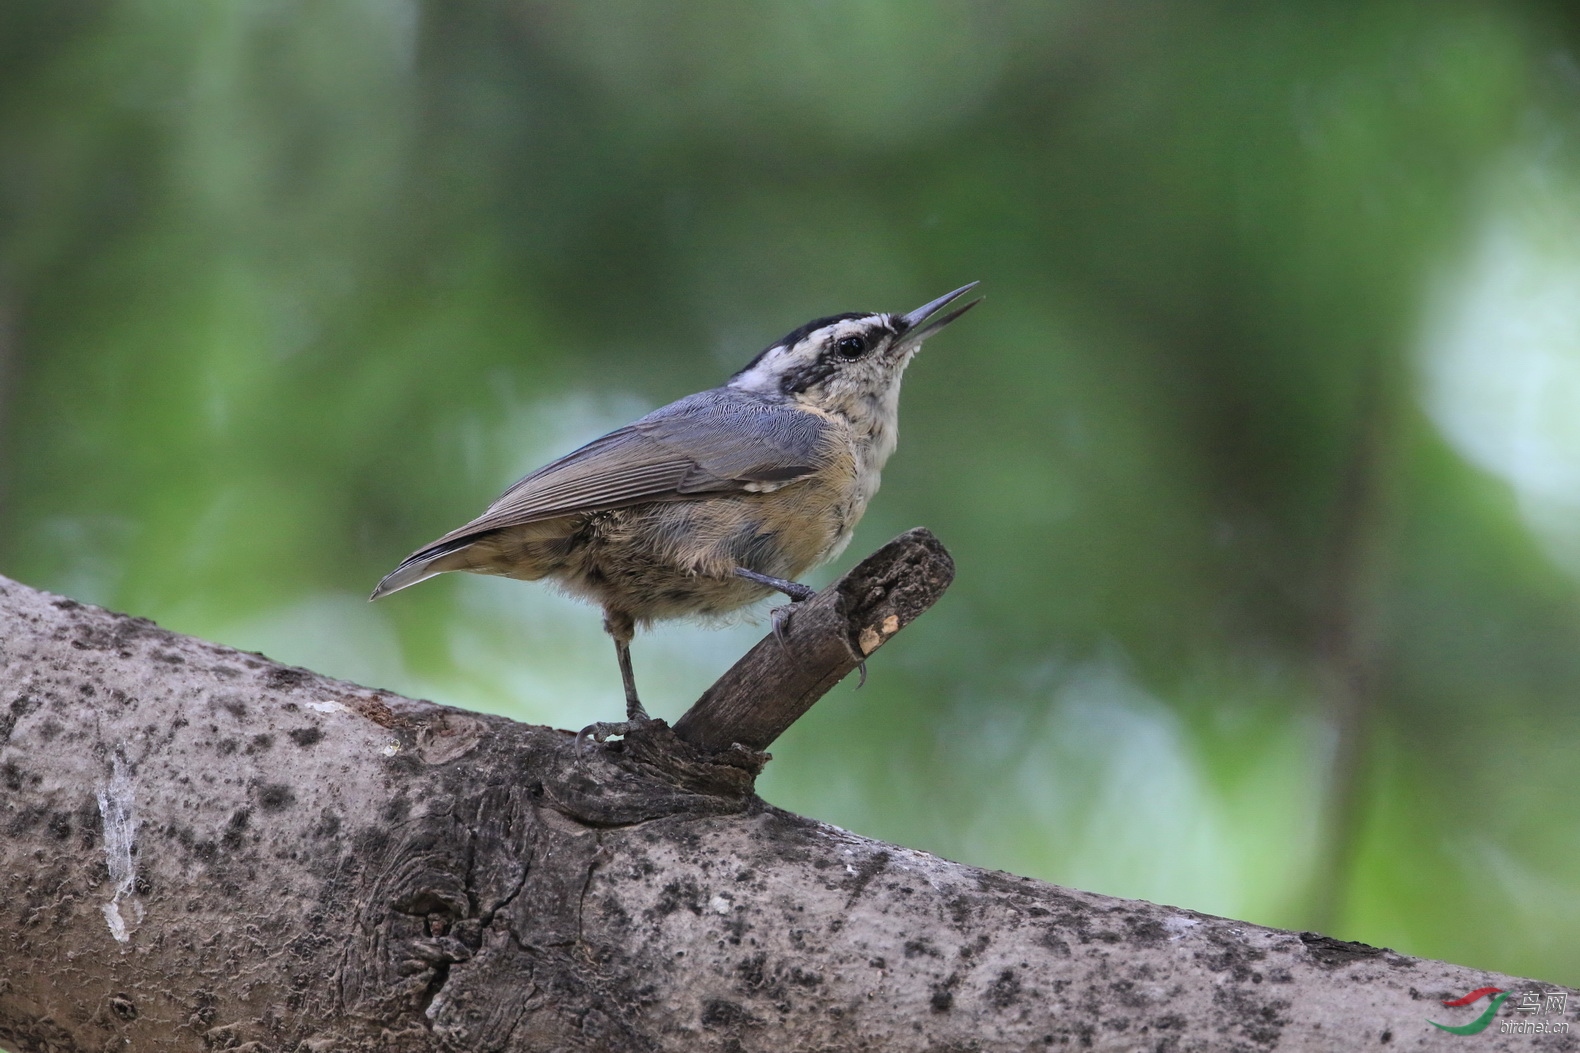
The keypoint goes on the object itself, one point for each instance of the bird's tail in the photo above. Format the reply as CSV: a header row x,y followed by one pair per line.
x,y
420,566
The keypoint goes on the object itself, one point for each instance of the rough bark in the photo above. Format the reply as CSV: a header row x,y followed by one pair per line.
x,y
205,850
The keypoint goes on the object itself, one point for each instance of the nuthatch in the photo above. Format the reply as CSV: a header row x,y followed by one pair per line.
x,y
712,502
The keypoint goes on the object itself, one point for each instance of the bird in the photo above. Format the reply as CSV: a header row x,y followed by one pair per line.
x,y
712,502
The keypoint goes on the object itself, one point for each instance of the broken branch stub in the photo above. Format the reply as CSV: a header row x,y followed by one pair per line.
x,y
825,638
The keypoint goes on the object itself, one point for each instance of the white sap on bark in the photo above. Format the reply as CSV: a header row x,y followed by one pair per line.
x,y
118,811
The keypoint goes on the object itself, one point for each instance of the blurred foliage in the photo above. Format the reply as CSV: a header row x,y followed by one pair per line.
x,y
1260,464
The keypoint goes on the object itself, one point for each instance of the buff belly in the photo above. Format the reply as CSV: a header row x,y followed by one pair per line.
x,y
675,559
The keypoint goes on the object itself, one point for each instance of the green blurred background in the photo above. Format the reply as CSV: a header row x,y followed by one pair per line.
x,y
1261,463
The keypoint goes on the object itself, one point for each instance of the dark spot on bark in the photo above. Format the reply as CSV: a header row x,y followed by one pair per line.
x,y
804,979
328,824
87,690
1260,1021
975,947
1339,952
142,886
1385,1038
26,819
750,970
1230,955
307,736
60,825
273,797
169,658
1148,932
737,928
1331,952
372,842
721,1015
280,678
942,1001
11,775
122,1007
234,706
396,809
89,822
679,894
232,838
20,706
260,743
405,763
866,870
227,746
915,948
1127,993
1054,942
50,730
1005,990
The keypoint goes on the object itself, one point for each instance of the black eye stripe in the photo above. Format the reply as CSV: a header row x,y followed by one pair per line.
x,y
795,381
798,334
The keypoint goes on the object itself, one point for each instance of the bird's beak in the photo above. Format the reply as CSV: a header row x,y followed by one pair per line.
x,y
915,326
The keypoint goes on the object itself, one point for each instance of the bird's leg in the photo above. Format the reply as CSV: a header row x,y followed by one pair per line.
x,y
793,589
633,704
622,627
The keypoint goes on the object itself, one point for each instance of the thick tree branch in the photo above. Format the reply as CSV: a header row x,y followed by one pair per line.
x,y
204,850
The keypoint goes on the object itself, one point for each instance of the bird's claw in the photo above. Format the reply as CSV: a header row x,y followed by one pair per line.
x,y
603,729
780,619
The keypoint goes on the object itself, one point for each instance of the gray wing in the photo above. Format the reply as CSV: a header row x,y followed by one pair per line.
x,y
719,441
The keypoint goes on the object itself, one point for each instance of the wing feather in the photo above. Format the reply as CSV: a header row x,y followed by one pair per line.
x,y
718,441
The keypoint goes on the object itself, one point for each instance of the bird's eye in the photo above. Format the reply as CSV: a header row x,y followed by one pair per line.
x,y
852,346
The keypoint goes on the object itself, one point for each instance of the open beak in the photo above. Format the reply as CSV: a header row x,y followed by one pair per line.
x,y
915,327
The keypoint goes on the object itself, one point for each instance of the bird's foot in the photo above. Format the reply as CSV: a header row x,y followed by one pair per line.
x,y
606,728
780,616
